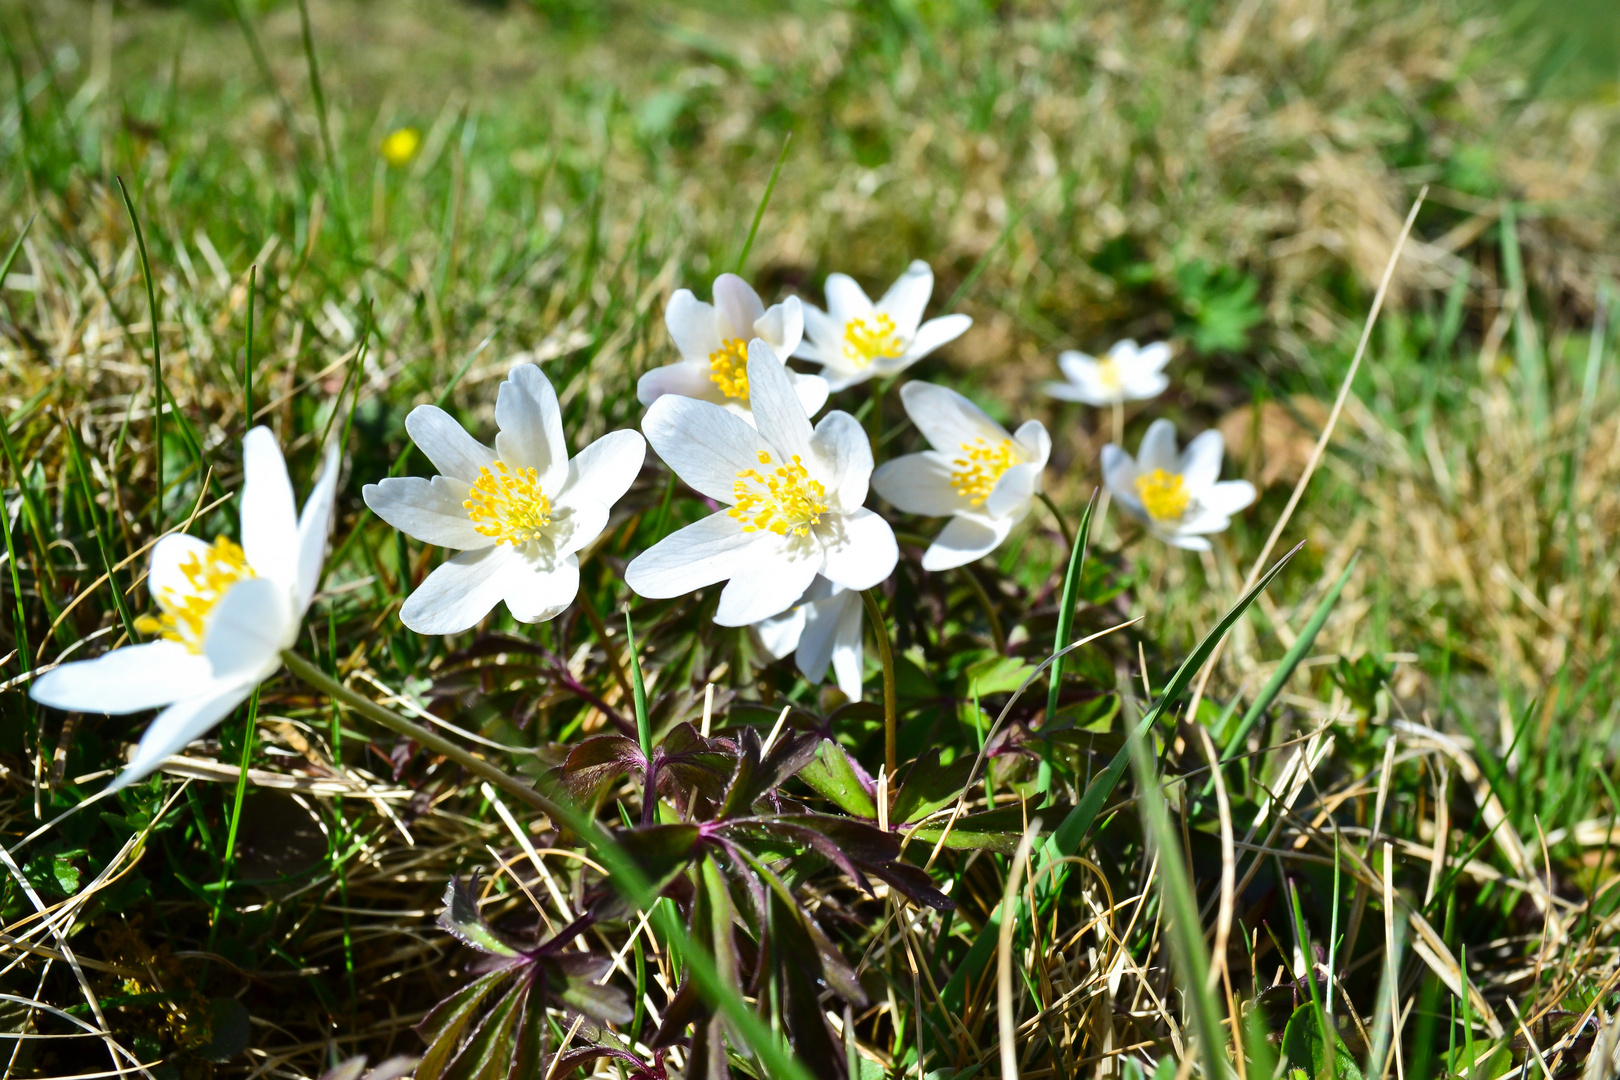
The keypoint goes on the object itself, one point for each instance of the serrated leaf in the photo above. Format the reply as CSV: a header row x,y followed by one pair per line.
x,y
685,761
929,785
1304,1048
832,774
487,1054
661,851
990,830
462,918
599,761
442,1027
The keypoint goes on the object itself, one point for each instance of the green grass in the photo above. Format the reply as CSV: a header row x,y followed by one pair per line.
x,y
1230,176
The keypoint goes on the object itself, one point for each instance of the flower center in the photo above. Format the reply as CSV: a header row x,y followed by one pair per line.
x,y
1164,495
786,501
865,342
209,575
1108,372
974,475
728,367
508,505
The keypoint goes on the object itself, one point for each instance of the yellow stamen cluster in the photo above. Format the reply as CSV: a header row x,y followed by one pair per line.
x,y
1108,373
209,575
728,367
508,505
785,502
864,342
1164,495
401,145
974,475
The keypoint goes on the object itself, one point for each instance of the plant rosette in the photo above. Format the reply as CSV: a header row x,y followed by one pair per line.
x,y
1180,498
855,340
517,515
978,475
822,629
713,343
1127,372
224,614
793,496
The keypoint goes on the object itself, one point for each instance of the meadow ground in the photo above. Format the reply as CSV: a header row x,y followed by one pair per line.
x,y
1406,853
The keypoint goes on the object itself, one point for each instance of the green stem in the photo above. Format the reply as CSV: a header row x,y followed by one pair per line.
x,y
157,357
236,816
886,654
1057,515
759,214
247,363
997,635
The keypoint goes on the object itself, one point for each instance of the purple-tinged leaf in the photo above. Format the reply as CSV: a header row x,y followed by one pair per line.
x,y
661,851
462,918
567,1064
442,1027
487,1054
834,775
596,763
928,785
914,883
686,1007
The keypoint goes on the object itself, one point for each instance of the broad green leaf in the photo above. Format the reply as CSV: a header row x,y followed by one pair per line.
x,y
1303,1047
441,1029
991,830
928,785
831,774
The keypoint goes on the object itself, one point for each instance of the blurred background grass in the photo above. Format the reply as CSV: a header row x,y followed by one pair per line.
x,y
1230,175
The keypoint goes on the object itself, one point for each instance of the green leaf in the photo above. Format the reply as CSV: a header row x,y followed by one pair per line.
x,y
488,1053
831,774
990,830
1303,1047
462,918
995,675
928,785
441,1029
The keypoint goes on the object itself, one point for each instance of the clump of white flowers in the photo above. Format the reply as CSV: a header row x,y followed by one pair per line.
x,y
855,339
1179,497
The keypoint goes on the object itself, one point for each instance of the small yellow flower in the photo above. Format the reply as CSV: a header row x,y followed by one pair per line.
x,y
401,146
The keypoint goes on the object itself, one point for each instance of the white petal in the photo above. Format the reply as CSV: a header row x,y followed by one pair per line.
x,y
844,456
603,471
841,376
864,552
178,725
573,527
314,527
452,451
247,629
919,484
460,592
963,540
168,554
811,390
1119,473
946,419
1228,497
1077,366
1142,385
699,555
531,435
534,593
269,518
934,333
429,510
782,327
705,445
1187,543
739,306
1034,441
847,660
820,637
125,680
1158,449
1200,464
777,412
845,300
683,378
823,338
1014,490
693,325
780,634
1064,391
767,578
1153,357
908,297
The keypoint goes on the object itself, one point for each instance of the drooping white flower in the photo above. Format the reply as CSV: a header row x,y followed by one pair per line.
x,y
519,514
1126,373
713,342
823,628
982,478
225,613
1181,498
793,494
855,339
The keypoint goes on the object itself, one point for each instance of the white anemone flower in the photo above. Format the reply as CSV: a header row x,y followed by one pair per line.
x,y
855,339
225,613
519,513
982,478
822,629
793,497
1127,372
713,342
1181,498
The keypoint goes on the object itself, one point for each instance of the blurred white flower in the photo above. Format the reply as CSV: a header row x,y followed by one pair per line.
x,y
1126,373
823,628
713,342
984,479
794,495
855,339
1181,499
225,613
519,513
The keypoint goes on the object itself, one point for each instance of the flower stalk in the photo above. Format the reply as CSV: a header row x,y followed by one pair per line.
x,y
886,654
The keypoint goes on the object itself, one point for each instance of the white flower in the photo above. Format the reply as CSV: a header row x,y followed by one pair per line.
x,y
984,479
713,342
855,339
1180,499
225,613
823,628
794,494
1126,373
519,513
